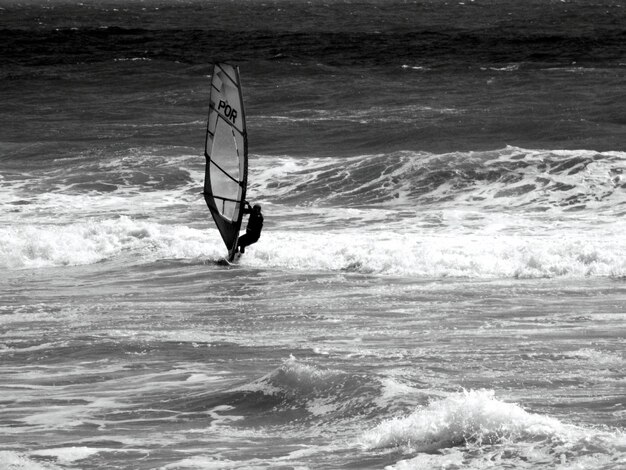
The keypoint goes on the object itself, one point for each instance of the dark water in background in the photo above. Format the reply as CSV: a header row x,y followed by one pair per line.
x,y
434,76
440,283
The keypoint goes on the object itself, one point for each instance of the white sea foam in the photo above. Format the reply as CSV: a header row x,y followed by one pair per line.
x,y
478,256
537,181
63,417
421,252
10,460
449,460
139,183
67,455
599,358
33,246
524,456
202,462
468,416
478,419
504,213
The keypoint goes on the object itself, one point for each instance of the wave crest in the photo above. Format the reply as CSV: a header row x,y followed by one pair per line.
x,y
532,180
475,416
416,253
478,420
36,246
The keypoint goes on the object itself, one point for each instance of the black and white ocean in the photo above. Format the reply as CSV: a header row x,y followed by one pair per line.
x,y
441,281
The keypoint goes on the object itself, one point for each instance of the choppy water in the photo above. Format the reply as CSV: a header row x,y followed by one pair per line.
x,y
440,283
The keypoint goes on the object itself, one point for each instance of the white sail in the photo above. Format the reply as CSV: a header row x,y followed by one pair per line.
x,y
226,152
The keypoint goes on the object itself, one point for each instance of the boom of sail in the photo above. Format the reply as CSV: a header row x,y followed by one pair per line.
x,y
226,153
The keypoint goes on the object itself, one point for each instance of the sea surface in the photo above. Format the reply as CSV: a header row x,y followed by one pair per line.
x,y
441,280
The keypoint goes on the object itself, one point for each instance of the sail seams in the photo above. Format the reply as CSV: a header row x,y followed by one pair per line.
x,y
225,198
228,76
225,119
224,171
235,140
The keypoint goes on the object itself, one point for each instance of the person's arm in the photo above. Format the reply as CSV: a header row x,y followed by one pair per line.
x,y
247,208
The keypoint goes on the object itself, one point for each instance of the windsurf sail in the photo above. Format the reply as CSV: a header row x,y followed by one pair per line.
x,y
226,153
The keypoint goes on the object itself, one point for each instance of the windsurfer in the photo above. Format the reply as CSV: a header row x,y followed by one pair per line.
x,y
253,229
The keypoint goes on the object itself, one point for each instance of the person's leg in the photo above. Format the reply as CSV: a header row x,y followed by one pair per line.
x,y
250,239
243,243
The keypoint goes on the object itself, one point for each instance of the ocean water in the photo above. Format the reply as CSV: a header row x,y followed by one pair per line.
x,y
441,281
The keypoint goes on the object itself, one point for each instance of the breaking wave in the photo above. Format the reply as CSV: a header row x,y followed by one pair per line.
x,y
476,421
510,178
93,241
429,254
509,213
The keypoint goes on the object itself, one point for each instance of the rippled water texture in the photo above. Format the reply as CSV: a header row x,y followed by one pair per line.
x,y
440,279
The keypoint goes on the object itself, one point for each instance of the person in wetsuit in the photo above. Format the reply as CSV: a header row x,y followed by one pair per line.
x,y
253,230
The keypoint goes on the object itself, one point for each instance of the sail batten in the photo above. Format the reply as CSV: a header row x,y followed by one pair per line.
x,y
226,152
225,173
226,120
